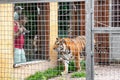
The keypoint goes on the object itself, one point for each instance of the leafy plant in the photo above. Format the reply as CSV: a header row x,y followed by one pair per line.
x,y
78,74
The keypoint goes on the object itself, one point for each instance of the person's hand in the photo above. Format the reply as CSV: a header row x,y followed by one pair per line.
x,y
21,30
25,30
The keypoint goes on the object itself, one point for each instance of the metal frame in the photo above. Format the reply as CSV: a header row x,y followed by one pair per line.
x,y
34,1
89,58
106,30
110,39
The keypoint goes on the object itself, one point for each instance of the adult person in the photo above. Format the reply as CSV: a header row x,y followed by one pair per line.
x,y
19,29
17,12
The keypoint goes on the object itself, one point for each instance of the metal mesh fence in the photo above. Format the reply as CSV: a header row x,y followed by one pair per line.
x,y
50,40
106,57
28,33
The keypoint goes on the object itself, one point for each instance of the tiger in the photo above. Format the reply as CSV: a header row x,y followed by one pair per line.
x,y
70,49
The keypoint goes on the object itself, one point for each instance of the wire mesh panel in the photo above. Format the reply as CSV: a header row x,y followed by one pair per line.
x,y
106,34
42,40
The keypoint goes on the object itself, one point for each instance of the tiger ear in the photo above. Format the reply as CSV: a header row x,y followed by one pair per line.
x,y
63,41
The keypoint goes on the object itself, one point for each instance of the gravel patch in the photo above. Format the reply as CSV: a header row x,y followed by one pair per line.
x,y
111,72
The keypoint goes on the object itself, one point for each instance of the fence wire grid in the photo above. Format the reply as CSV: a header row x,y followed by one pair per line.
x,y
60,40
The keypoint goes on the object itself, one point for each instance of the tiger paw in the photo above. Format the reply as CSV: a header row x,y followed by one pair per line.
x,y
64,73
78,70
60,59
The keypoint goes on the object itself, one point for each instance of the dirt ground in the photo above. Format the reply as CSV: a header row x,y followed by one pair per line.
x,y
111,72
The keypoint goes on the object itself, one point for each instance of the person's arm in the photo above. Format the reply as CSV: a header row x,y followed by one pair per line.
x,y
18,32
25,30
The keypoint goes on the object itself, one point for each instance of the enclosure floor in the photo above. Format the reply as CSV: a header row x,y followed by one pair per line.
x,y
67,77
111,72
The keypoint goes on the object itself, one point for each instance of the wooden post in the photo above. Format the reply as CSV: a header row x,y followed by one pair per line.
x,y
53,29
6,41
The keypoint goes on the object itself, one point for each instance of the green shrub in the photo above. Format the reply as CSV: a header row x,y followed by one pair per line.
x,y
78,74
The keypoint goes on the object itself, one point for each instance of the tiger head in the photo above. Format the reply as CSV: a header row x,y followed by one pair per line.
x,y
59,45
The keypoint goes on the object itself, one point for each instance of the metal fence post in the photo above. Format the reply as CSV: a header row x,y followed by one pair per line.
x,y
89,58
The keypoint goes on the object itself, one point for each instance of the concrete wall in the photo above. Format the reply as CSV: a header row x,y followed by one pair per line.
x,y
6,41
53,29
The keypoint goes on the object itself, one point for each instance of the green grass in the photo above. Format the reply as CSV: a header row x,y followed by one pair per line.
x,y
71,67
83,65
37,76
79,74
53,72
49,73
